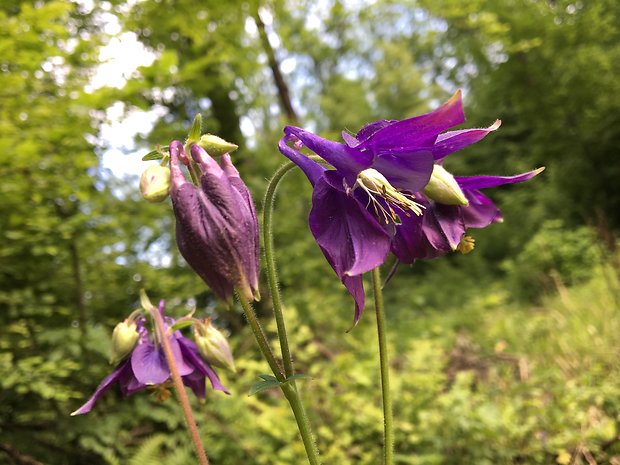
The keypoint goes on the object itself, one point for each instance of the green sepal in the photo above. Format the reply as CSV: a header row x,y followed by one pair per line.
x,y
194,132
181,324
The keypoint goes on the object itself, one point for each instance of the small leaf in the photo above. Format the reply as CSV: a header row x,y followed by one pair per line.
x,y
153,155
262,385
268,377
194,132
181,324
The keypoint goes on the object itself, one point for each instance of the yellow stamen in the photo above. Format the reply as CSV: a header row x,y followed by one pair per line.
x,y
376,185
466,245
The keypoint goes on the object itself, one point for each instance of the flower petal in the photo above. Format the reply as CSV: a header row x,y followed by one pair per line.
x,y
106,384
481,210
345,159
311,169
419,131
453,141
149,364
409,172
350,237
482,182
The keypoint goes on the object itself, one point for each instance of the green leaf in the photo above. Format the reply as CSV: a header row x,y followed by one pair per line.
x,y
267,377
194,132
153,155
262,385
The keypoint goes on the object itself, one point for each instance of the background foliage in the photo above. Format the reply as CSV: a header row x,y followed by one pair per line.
x,y
504,356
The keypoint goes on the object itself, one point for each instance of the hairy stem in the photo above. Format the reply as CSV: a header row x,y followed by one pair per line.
x,y
388,426
178,384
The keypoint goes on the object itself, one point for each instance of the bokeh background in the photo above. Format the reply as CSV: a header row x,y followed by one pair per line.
x,y
508,355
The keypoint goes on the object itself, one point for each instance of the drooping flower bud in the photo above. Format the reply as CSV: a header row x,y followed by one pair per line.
x,y
155,183
216,146
124,338
443,188
216,224
213,346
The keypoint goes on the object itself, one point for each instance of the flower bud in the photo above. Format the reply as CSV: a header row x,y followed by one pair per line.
x,y
213,346
155,183
216,146
443,188
124,338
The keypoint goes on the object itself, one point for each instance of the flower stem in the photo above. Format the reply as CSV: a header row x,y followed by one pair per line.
x,y
270,259
388,426
178,384
288,387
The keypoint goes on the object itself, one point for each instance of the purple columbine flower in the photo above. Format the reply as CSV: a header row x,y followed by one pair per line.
x,y
358,205
216,224
147,367
444,224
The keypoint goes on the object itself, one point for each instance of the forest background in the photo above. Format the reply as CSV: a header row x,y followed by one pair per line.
x,y
508,355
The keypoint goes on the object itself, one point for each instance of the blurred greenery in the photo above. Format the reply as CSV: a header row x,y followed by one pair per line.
x,y
507,355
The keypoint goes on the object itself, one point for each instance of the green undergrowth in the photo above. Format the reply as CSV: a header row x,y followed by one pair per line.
x,y
485,382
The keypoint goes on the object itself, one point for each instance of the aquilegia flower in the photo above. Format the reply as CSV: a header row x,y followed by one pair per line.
x,y
146,366
216,224
358,206
442,227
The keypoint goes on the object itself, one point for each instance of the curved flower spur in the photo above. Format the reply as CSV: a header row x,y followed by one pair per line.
x,y
358,206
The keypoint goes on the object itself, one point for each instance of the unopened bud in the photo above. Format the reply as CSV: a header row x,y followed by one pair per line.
x,y
155,183
216,146
213,346
124,338
443,188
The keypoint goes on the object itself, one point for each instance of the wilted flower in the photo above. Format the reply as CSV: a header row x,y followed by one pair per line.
x,y
217,228
443,226
147,367
358,205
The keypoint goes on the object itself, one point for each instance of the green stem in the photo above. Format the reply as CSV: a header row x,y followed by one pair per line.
x,y
270,259
388,426
178,384
288,388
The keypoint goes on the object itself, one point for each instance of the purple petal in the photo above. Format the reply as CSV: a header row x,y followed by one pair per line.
x,y
106,384
350,237
482,182
450,220
419,131
355,286
311,169
368,130
409,172
452,141
190,352
345,159
149,364
481,210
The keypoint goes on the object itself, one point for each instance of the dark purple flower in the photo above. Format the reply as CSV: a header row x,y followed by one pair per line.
x,y
358,205
442,227
147,366
217,228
